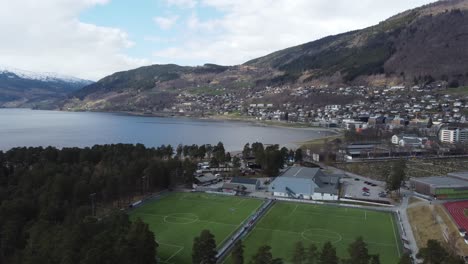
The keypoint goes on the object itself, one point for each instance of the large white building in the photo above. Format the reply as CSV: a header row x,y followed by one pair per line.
x,y
453,135
306,183
403,140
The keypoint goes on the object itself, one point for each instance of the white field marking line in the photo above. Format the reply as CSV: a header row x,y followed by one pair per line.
x,y
253,229
297,233
237,227
394,234
198,220
241,201
343,239
356,219
293,211
374,243
339,236
173,255
256,226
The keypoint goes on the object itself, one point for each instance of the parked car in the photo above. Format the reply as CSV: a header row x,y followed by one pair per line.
x,y
365,194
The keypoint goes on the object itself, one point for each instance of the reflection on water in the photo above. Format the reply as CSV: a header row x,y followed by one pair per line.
x,y
23,127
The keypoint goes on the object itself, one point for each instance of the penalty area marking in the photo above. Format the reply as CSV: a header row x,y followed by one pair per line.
x,y
187,218
180,248
326,234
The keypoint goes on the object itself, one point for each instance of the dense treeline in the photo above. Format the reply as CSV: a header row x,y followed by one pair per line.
x,y
47,197
204,251
271,158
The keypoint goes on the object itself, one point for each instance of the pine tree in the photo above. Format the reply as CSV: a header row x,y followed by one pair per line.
x,y
141,243
375,259
299,253
204,249
312,254
328,254
263,256
405,259
237,255
433,252
298,155
196,251
358,252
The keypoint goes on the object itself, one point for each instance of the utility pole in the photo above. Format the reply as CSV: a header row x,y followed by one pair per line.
x,y
93,206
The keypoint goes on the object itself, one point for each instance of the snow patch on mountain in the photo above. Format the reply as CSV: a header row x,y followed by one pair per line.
x,y
42,76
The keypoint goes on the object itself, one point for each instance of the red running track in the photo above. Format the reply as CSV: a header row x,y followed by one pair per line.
x,y
457,210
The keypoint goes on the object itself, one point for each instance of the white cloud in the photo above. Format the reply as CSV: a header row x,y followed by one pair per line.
x,y
182,3
165,23
253,28
47,35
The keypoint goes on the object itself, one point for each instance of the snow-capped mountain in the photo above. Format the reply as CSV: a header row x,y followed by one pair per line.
x,y
22,88
41,76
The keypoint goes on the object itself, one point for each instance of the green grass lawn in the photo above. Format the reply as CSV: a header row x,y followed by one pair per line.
x,y
287,223
177,218
460,91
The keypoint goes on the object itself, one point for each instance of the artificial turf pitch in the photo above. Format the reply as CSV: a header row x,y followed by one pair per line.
x,y
177,218
287,223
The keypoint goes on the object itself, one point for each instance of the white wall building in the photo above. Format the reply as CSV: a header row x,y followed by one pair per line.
x,y
306,183
453,135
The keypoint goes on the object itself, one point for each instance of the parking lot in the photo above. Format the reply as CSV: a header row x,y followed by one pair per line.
x,y
363,189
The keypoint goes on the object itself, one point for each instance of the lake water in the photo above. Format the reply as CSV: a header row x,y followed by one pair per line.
x,y
24,127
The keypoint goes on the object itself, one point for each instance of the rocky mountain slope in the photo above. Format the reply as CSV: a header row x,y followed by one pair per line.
x,y
425,42
417,46
20,88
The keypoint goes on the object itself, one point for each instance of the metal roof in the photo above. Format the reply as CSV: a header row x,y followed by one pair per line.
x,y
297,185
242,180
441,181
302,172
460,174
206,178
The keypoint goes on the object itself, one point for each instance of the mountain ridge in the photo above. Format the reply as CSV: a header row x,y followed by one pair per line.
x,y
413,47
21,88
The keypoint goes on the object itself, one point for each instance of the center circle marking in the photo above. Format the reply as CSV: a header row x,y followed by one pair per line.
x,y
181,218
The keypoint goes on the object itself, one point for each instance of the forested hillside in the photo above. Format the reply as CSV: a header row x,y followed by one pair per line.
x,y
47,196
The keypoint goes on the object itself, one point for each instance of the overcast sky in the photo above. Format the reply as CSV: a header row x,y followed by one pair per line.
x,y
93,38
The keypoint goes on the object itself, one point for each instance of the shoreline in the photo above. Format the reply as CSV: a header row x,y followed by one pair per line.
x,y
220,118
327,132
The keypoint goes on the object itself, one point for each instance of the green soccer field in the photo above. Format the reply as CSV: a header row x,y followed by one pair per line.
x,y
177,218
287,223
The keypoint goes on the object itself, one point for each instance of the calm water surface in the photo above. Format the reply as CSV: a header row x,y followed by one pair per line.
x,y
24,127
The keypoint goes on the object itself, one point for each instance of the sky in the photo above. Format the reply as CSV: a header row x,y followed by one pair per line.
x,y
91,39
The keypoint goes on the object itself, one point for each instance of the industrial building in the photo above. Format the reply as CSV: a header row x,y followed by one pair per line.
x,y
452,186
306,183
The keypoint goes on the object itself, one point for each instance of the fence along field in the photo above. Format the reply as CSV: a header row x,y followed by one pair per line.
x,y
287,223
177,218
